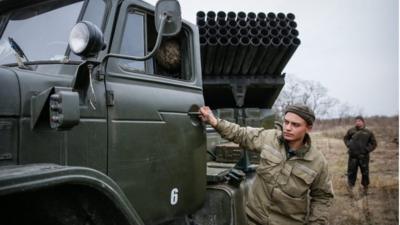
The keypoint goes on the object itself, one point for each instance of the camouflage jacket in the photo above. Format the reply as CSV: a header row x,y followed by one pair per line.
x,y
284,190
359,141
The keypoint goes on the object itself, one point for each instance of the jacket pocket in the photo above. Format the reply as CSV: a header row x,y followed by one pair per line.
x,y
296,208
270,161
299,181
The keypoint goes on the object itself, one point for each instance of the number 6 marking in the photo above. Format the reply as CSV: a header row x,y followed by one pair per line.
x,y
174,196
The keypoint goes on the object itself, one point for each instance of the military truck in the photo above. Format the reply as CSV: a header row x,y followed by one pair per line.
x,y
95,126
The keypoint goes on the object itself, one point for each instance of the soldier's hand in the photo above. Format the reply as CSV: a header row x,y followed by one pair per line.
x,y
207,116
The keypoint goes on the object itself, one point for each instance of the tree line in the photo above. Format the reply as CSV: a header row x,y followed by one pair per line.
x,y
314,95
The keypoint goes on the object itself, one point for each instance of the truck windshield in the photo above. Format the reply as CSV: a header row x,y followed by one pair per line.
x,y
41,30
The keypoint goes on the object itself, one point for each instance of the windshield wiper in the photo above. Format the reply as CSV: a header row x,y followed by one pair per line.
x,y
19,53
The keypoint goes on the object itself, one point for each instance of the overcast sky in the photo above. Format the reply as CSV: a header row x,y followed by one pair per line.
x,y
349,46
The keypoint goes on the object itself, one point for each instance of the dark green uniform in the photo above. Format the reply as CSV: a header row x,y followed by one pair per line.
x,y
360,142
288,185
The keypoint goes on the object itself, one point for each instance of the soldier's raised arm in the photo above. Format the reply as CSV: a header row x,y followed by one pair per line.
x,y
247,137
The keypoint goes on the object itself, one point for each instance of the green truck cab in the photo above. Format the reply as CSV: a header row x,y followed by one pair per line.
x,y
96,129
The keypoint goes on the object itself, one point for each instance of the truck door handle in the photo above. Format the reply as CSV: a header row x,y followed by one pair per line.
x,y
194,118
193,114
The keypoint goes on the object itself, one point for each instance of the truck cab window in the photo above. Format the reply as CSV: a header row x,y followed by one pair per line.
x,y
171,60
41,30
132,42
139,37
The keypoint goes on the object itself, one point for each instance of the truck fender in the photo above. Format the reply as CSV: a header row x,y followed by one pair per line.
x,y
20,179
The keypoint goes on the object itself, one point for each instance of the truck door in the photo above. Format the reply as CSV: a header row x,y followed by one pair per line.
x,y
156,148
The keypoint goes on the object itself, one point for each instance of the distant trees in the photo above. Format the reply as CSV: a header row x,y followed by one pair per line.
x,y
315,96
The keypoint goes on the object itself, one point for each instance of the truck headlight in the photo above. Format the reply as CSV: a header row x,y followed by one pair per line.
x,y
86,39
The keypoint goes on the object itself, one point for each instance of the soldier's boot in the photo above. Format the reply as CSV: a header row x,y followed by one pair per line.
x,y
350,190
364,190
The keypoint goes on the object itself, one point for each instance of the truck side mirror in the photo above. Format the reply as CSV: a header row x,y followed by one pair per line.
x,y
172,10
168,22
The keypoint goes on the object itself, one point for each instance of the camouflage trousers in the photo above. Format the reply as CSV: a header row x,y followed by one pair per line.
x,y
361,161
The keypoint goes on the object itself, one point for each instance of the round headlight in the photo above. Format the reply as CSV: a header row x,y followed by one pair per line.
x,y
79,38
86,39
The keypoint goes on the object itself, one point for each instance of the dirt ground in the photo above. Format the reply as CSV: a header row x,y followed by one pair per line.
x,y
380,206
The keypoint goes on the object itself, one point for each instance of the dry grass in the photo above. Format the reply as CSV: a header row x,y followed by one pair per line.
x,y
380,207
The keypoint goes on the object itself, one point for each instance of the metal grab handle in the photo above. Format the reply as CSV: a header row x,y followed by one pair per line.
x,y
193,113
194,117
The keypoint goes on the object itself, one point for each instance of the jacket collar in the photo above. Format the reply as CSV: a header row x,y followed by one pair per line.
x,y
304,152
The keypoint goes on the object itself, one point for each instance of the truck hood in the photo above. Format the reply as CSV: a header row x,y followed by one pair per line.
x,y
10,93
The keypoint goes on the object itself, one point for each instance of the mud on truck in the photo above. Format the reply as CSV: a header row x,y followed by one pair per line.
x,y
99,108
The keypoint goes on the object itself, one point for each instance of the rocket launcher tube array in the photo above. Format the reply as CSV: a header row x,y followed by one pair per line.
x,y
246,43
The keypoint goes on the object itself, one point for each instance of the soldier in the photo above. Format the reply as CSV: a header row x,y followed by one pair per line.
x,y
292,178
360,142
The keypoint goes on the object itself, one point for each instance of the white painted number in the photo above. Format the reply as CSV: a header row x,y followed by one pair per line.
x,y
174,196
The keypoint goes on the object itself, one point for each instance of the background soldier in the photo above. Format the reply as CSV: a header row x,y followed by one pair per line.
x,y
360,141
291,170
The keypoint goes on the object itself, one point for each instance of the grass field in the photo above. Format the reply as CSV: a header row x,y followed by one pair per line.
x,y
380,206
